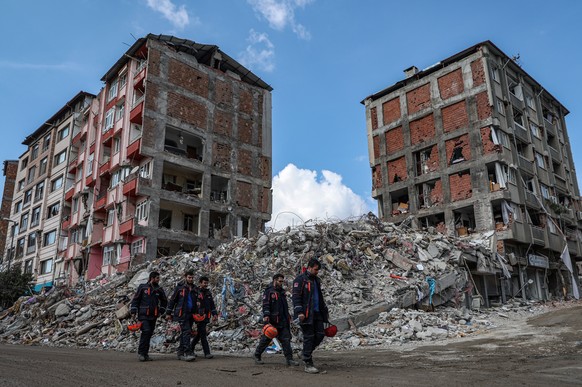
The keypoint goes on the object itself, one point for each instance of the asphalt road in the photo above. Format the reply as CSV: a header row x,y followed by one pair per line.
x,y
544,351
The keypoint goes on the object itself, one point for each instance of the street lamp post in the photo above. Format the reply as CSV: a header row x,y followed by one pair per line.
x,y
12,239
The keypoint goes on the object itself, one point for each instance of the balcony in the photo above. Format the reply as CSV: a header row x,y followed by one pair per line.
x,y
126,227
538,235
90,181
100,201
76,137
560,183
130,186
520,132
531,199
69,194
104,167
139,78
573,247
555,154
136,114
550,128
107,136
133,150
66,222
525,164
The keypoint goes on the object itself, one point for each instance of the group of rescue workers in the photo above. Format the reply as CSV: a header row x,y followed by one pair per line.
x,y
193,305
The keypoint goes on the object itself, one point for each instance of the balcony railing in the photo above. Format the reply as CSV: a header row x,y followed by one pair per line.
x,y
539,235
550,128
555,154
560,183
525,164
520,132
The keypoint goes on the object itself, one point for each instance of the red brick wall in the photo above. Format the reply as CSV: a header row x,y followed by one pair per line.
x,y
245,162
391,110
265,168
451,84
10,171
374,118
153,98
436,195
245,102
394,140
483,107
488,145
186,110
455,116
376,176
154,62
189,78
463,142
244,194
376,142
245,130
418,99
478,72
460,186
222,122
221,156
223,93
264,199
397,168
422,129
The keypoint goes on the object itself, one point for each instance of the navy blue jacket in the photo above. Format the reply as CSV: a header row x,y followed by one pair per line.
x,y
275,306
178,303
205,303
303,289
149,302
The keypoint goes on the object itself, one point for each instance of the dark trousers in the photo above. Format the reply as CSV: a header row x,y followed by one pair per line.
x,y
202,337
312,336
284,335
147,330
185,336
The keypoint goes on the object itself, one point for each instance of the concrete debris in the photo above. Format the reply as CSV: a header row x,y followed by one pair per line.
x,y
372,275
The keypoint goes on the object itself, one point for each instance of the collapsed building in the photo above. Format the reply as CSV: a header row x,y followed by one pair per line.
x,y
379,281
474,144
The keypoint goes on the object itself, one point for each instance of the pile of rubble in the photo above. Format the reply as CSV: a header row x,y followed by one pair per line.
x,y
371,271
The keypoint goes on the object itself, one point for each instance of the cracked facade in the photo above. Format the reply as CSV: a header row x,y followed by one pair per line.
x,y
475,144
173,154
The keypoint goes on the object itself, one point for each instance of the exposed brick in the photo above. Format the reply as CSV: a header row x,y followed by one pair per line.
x,y
245,101
10,171
223,93
376,143
418,99
432,164
436,195
397,170
460,184
244,194
245,162
376,177
186,110
153,99
486,140
245,130
422,129
483,107
188,78
461,142
222,122
455,116
391,110
221,156
374,118
265,168
451,84
478,72
264,195
154,62
394,140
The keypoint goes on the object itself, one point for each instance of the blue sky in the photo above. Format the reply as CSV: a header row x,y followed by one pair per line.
x,y
322,58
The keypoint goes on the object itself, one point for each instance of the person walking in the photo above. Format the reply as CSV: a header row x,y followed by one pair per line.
x,y
181,307
206,310
147,304
310,309
276,313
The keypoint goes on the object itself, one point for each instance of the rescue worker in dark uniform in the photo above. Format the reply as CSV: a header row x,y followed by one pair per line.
x,y
147,304
181,307
276,313
206,309
310,308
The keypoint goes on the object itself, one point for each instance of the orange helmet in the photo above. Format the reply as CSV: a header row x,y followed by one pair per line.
x,y
198,317
270,331
134,327
330,331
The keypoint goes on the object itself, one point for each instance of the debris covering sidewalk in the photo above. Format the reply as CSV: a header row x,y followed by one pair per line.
x,y
379,280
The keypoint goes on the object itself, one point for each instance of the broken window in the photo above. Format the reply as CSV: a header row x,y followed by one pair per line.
x,y
165,219
218,225
422,161
457,155
518,117
436,220
242,226
399,202
429,193
218,189
464,220
191,222
514,87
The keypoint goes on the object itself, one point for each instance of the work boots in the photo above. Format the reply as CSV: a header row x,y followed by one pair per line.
x,y
258,359
310,368
187,357
291,362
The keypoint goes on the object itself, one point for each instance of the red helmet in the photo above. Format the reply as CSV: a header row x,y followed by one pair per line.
x,y
198,317
134,327
270,331
330,331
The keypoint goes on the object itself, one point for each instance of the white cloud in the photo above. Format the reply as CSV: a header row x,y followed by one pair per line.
x,y
281,13
299,195
260,53
178,16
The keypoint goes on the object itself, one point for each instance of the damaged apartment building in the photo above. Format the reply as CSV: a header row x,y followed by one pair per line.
x,y
173,154
474,144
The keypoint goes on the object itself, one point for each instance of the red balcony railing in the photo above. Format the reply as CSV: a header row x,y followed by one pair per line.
x,y
126,227
136,115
